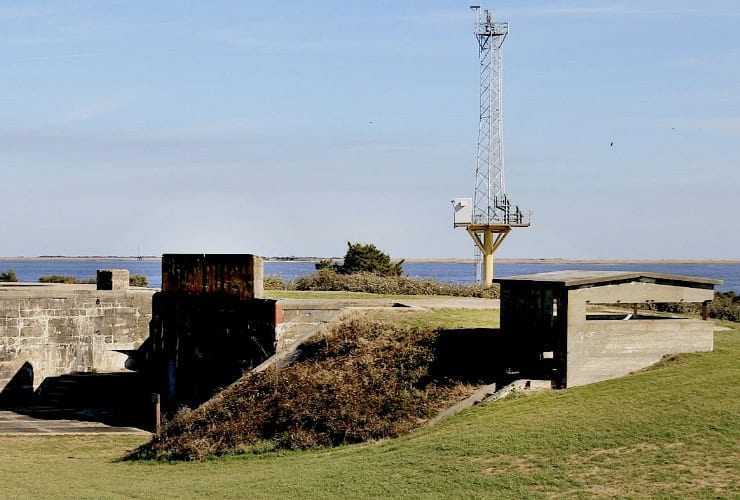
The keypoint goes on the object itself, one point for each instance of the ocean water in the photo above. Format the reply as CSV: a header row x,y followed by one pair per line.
x,y
31,270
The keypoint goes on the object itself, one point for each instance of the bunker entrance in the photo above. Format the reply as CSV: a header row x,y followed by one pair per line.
x,y
572,326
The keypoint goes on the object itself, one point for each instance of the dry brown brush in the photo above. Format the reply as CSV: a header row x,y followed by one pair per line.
x,y
360,380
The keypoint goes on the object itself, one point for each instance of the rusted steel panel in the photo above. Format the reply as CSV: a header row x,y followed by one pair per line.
x,y
233,275
183,273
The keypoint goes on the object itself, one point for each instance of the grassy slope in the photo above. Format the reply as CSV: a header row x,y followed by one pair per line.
x,y
667,432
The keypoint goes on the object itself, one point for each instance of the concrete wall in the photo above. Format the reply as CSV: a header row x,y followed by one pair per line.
x,y
58,329
635,292
601,349
604,349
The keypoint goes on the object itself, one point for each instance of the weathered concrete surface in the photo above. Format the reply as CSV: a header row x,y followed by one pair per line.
x,y
549,333
600,350
48,330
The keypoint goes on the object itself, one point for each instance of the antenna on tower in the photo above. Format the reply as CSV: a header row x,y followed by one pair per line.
x,y
489,212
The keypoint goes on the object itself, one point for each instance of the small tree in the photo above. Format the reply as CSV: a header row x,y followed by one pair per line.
x,y
368,258
9,276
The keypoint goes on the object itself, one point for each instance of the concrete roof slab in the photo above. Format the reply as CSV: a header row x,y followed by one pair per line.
x,y
578,278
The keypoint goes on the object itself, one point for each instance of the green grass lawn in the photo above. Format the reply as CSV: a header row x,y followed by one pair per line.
x,y
442,318
668,432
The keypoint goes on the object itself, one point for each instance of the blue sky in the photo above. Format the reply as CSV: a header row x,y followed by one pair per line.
x,y
290,128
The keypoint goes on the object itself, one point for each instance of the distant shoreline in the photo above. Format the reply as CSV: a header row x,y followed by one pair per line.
x,y
414,261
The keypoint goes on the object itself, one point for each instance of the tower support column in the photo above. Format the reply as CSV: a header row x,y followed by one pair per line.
x,y
488,258
493,235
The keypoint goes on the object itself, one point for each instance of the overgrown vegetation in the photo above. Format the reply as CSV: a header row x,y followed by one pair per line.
x,y
366,269
58,278
133,280
360,380
725,306
138,280
328,280
8,276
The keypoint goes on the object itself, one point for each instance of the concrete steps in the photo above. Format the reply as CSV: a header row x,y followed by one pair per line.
x,y
115,399
85,388
97,391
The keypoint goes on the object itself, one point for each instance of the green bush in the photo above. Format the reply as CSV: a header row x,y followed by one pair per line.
x,y
138,280
324,264
8,276
58,278
328,280
726,305
368,259
275,282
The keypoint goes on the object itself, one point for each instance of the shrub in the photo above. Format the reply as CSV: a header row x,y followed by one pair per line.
x,y
275,282
368,259
57,278
324,264
8,276
328,280
138,280
726,305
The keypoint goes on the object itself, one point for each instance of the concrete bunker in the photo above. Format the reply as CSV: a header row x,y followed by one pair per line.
x,y
551,331
209,325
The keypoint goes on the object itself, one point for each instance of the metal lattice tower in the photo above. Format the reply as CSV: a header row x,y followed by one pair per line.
x,y
490,203
489,216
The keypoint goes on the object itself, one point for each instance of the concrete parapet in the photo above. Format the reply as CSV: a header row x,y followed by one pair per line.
x,y
113,279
